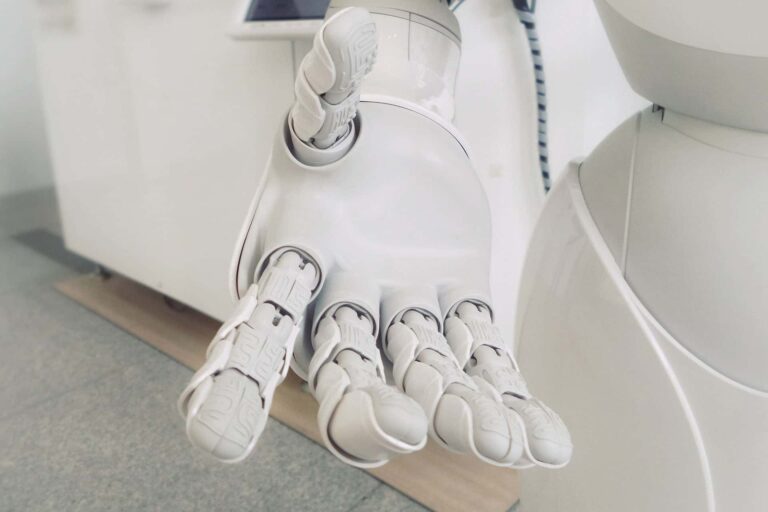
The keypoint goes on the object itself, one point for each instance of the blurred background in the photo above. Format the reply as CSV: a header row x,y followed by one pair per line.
x,y
25,165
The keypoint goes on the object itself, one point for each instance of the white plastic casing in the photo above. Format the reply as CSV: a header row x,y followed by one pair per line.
x,y
703,58
642,321
681,204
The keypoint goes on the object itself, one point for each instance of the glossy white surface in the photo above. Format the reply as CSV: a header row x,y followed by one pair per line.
x,y
399,229
591,357
733,423
712,67
689,232
409,49
736,27
655,427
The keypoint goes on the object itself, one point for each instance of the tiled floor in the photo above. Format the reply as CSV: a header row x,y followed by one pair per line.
x,y
88,419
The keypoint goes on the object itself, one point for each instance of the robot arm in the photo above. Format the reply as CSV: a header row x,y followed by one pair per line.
x,y
348,228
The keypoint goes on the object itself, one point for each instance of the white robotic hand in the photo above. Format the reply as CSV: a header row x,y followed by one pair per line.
x,y
375,211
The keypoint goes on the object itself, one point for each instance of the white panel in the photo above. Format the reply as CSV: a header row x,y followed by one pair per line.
x,y
734,425
696,250
161,126
24,160
588,354
736,26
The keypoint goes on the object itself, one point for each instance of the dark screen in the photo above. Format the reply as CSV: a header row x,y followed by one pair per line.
x,y
266,10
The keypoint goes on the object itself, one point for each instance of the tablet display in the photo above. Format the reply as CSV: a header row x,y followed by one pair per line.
x,y
279,10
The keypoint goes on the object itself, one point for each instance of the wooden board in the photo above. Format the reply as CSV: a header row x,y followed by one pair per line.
x,y
438,479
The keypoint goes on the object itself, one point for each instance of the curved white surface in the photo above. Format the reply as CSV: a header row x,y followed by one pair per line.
x,y
681,205
735,27
725,86
654,427
594,359
732,420
409,49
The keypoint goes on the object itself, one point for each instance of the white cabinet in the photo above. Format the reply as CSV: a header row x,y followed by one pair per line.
x,y
160,126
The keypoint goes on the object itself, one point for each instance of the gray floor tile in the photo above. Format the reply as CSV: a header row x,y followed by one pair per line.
x,y
52,246
118,444
23,266
88,420
386,499
50,344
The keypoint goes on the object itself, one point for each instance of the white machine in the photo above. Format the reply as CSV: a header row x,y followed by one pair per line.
x,y
380,216
642,310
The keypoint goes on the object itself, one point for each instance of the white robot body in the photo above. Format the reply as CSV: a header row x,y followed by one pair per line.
x,y
642,321
706,59
642,311
688,237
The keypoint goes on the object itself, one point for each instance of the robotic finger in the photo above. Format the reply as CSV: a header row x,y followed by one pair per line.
x,y
363,420
480,349
227,402
461,417
328,86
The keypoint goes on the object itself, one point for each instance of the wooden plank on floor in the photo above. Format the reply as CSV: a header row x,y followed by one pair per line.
x,y
439,479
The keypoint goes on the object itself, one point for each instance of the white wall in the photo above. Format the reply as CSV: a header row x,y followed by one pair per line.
x,y
24,160
496,111
588,94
